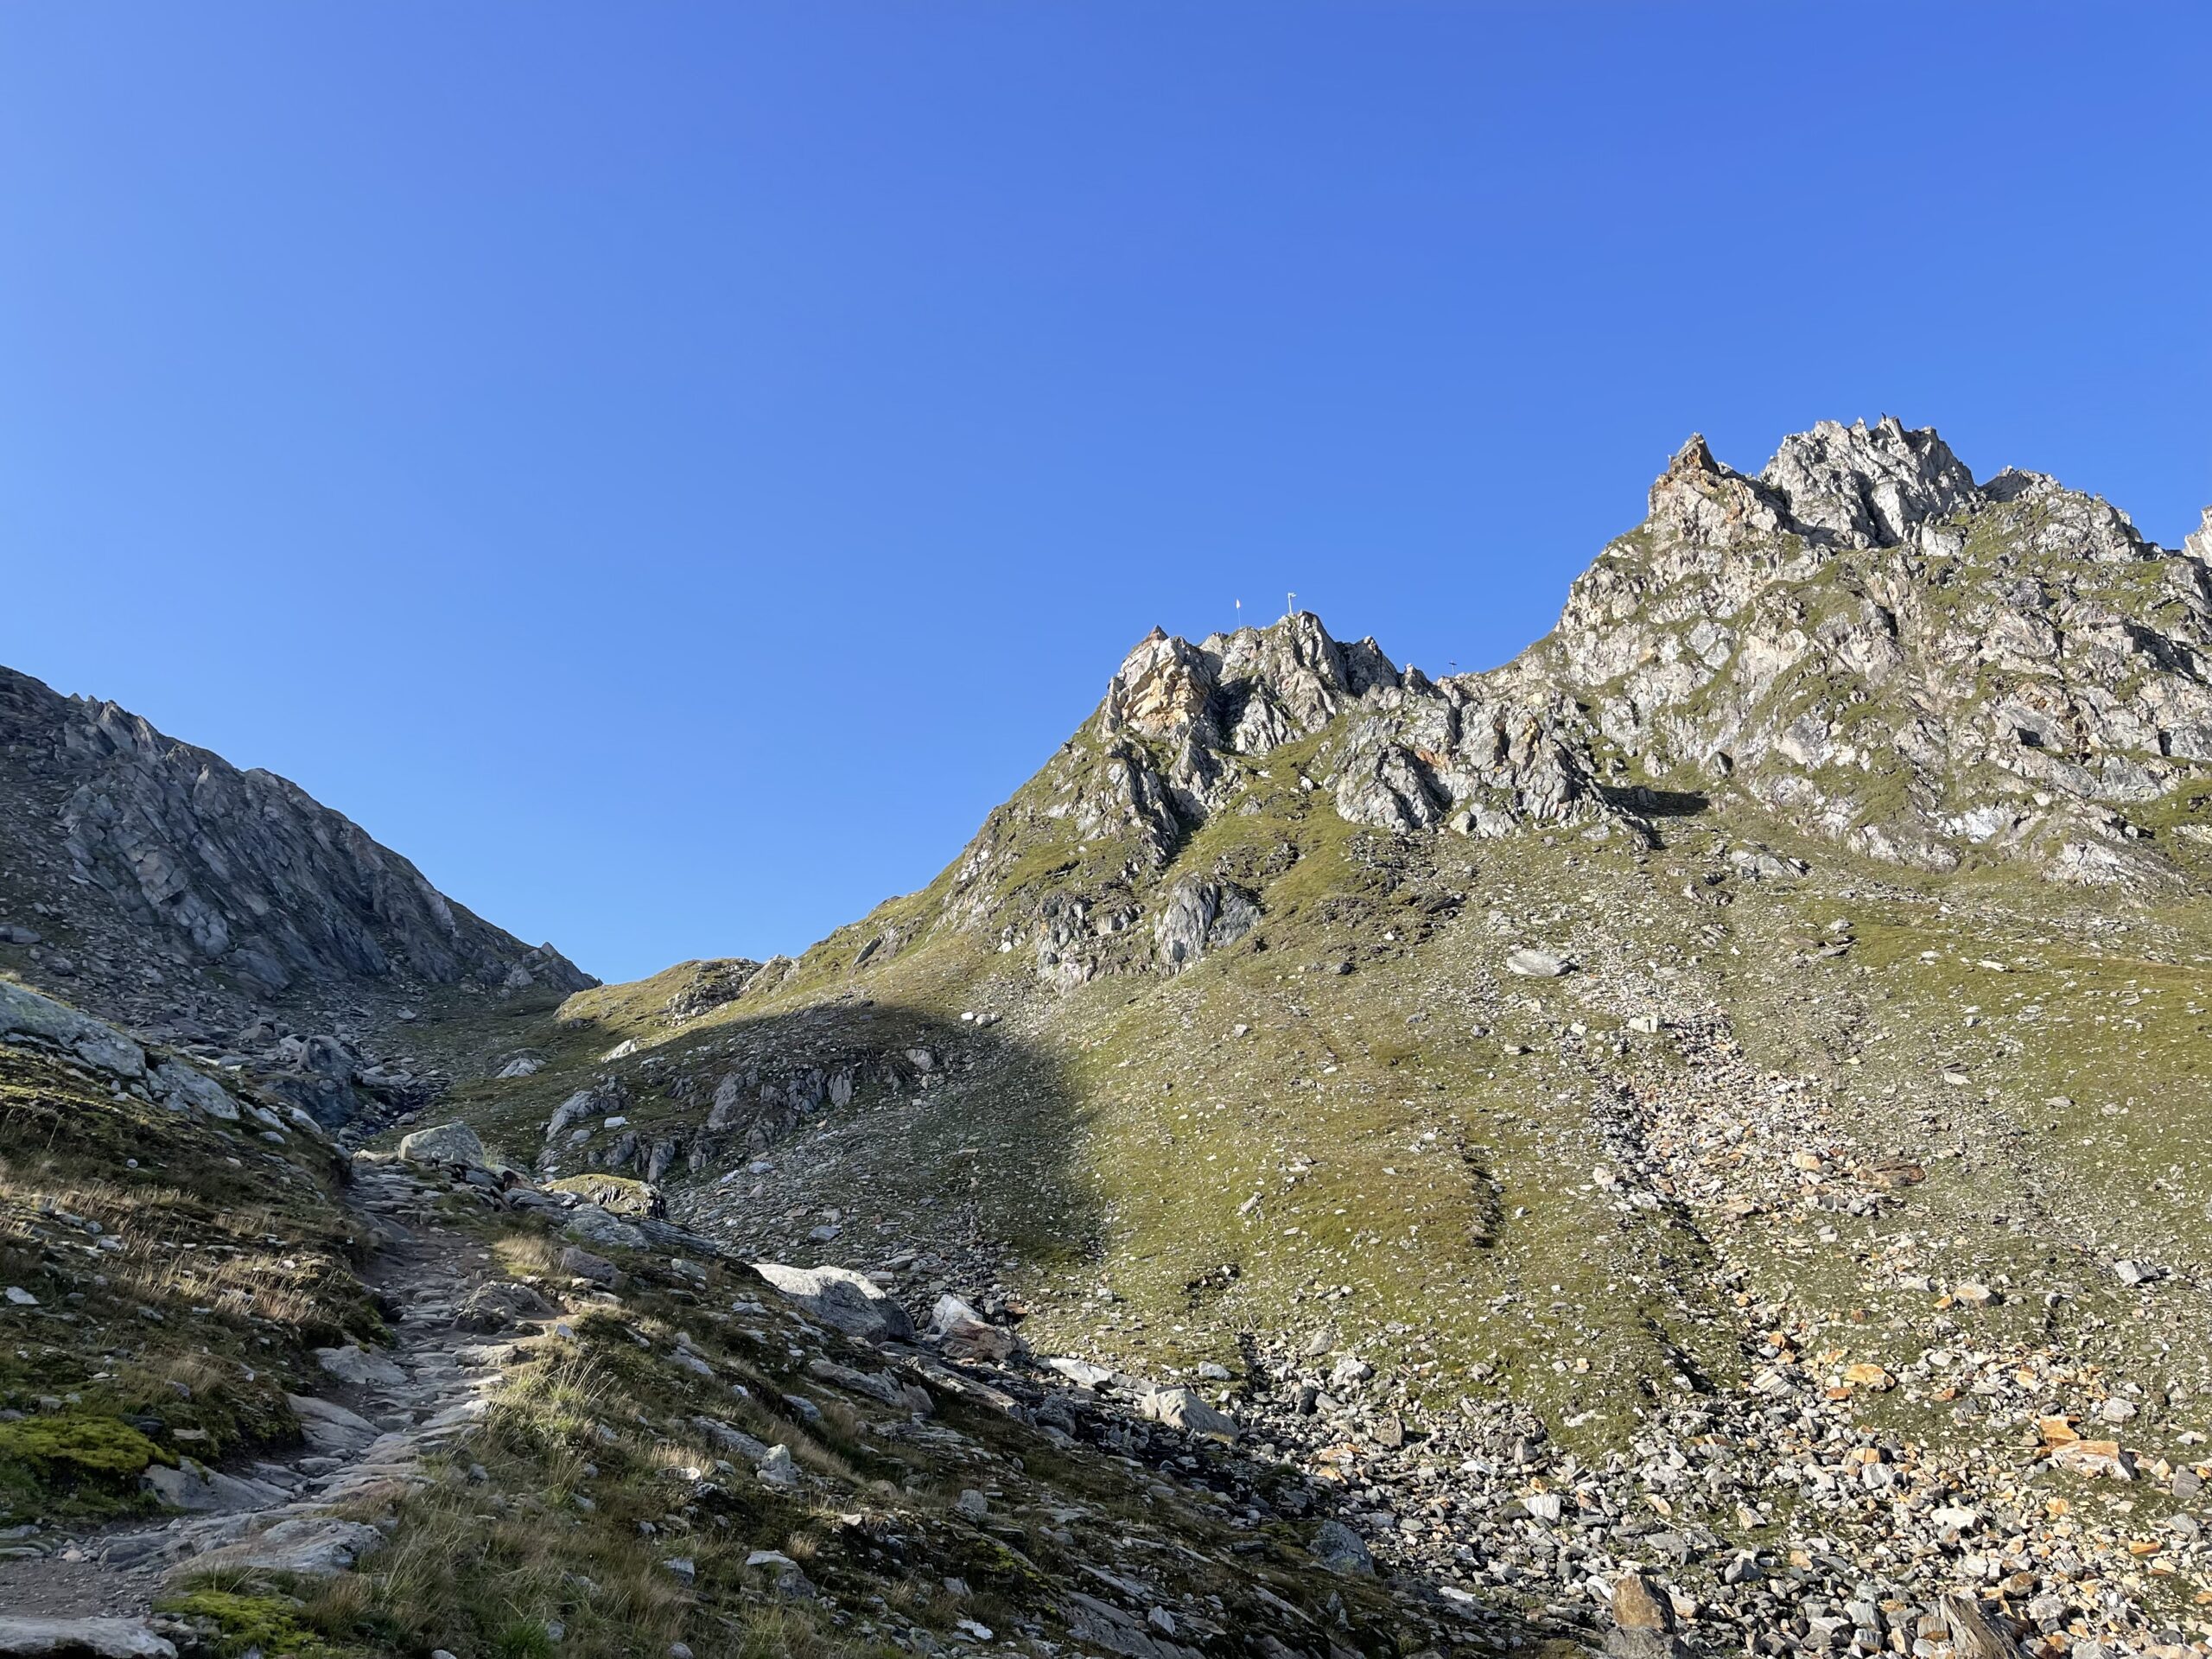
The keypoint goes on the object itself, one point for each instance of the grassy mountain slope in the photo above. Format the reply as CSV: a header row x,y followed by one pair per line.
x,y
1714,1099
1896,1127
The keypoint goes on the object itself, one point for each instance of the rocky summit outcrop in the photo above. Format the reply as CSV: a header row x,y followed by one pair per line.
x,y
134,860
1416,755
1889,655
1187,733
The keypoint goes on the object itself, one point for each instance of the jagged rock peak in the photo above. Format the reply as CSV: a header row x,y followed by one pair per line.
x,y
2197,544
1700,500
1479,757
1889,654
1242,692
1868,484
1835,485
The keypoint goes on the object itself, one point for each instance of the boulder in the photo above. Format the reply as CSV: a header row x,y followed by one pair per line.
x,y
315,1073
306,1546
1643,1621
618,1195
493,1307
331,1429
843,1300
1972,1637
731,1439
779,1574
1338,1547
1532,963
877,1385
194,1487
594,1100
24,1012
447,1143
582,1264
358,1366
963,1333
1081,1372
1183,1409
592,1225
183,1088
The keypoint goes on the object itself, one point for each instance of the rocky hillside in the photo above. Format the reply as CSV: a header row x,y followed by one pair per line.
x,y
258,1397
1689,1141
156,883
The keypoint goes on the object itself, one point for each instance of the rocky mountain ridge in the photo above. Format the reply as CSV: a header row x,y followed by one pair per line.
x,y
1306,1020
1861,639
156,882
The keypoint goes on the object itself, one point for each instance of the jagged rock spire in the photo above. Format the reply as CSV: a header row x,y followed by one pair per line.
x,y
1870,486
1858,485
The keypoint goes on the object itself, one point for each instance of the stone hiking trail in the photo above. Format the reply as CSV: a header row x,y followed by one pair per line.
x,y
383,1412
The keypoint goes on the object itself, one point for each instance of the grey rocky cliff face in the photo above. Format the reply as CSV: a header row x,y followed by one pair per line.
x,y
149,850
1892,657
1479,757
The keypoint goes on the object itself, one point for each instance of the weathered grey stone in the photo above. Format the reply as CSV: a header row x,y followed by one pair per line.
x,y
729,1439
963,1333
1183,1409
839,1298
1336,1546
354,1364
777,1468
446,1143
181,1085
592,1225
783,1575
1200,916
329,1427
495,1307
1533,964
309,1546
25,1013
80,1638
582,1264
194,1487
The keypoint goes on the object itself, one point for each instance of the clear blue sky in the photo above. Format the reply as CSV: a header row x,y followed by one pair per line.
x,y
670,469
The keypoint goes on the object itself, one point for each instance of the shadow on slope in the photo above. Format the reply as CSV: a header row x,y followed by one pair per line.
x,y
915,1126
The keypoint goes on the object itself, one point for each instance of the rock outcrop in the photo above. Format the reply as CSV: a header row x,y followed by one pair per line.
x,y
1889,655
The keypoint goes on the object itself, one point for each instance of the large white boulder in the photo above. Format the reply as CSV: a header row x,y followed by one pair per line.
x,y
846,1301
